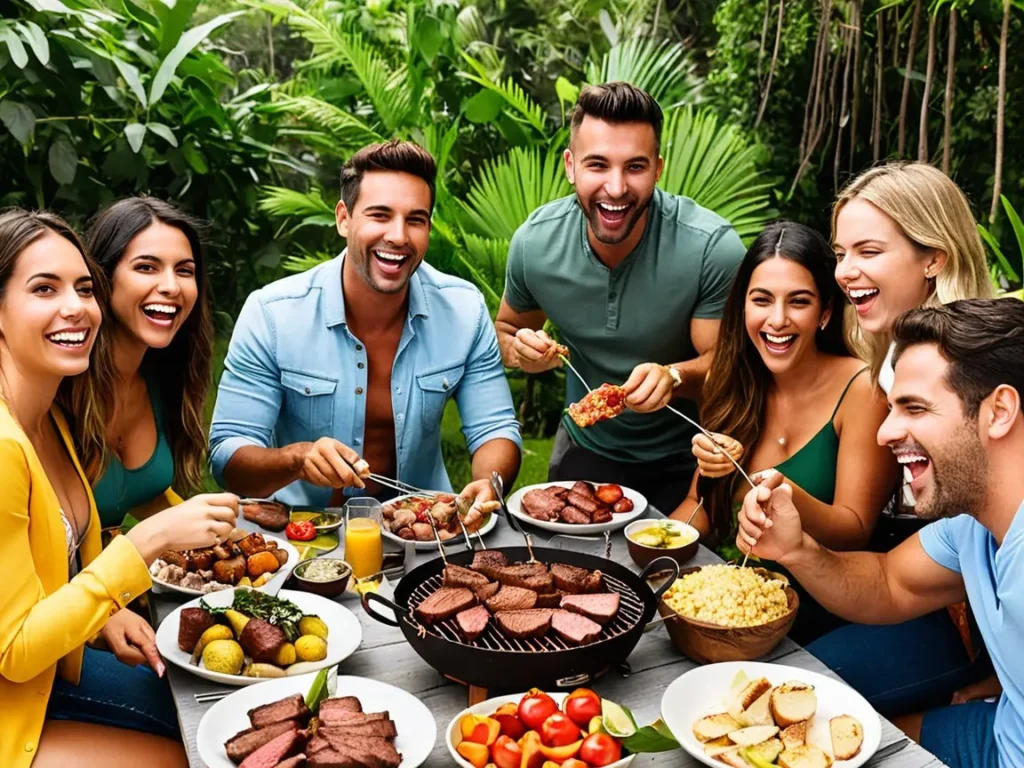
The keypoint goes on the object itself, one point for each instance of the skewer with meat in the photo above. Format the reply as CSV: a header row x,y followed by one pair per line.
x,y
605,402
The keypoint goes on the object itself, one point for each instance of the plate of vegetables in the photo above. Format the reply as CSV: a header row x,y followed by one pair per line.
x,y
405,519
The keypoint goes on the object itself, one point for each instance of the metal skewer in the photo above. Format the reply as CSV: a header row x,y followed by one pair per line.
x,y
572,368
498,486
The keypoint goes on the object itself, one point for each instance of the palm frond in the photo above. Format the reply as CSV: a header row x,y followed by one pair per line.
x,y
282,201
485,260
662,68
305,262
714,165
343,127
524,108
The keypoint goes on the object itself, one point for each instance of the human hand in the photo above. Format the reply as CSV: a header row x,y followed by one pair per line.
x,y
648,388
988,688
202,521
132,640
711,460
477,498
769,523
330,463
536,351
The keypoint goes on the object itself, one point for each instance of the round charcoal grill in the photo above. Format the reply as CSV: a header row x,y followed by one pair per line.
x,y
495,660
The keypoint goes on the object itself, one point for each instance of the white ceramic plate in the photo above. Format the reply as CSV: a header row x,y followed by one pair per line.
x,y
702,691
432,543
618,521
417,730
344,633
453,736
282,572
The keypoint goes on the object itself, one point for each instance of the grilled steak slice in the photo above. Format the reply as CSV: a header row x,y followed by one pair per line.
x,y
573,580
370,751
229,571
292,708
444,604
574,516
191,625
540,505
512,599
602,515
252,544
273,752
243,744
601,608
588,504
382,728
341,704
557,492
586,490
490,589
457,576
344,717
292,762
575,629
523,624
473,622
272,515
262,640
550,599
488,562
316,744
533,576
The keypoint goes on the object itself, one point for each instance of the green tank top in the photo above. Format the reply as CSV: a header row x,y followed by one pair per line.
x,y
119,490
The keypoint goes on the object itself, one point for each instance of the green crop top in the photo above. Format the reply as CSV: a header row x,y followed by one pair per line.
x,y
119,490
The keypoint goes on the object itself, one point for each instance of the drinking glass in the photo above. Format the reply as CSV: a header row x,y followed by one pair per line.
x,y
364,548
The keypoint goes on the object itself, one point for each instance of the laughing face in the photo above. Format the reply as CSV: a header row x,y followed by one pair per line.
x,y
49,316
878,266
782,312
930,435
154,285
614,167
389,229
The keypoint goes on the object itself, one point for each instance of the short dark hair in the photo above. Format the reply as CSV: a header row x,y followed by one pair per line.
x,y
394,155
618,102
982,339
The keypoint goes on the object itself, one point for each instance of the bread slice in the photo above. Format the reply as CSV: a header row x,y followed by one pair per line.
x,y
804,757
714,727
794,735
746,696
718,746
758,713
847,736
766,751
748,737
732,758
793,702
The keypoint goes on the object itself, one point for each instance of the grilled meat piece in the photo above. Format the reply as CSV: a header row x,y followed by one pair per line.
x,y
602,515
280,554
512,599
252,544
550,599
574,516
292,762
262,640
584,489
473,622
444,604
370,751
533,576
490,589
384,729
243,744
273,752
191,625
345,717
540,505
575,629
601,608
523,624
340,704
573,580
199,559
175,558
271,515
229,571
488,561
316,744
588,504
222,551
292,708
457,576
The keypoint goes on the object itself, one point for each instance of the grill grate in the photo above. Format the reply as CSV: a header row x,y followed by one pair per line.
x,y
631,610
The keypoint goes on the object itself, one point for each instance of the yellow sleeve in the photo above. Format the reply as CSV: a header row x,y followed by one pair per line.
x,y
36,629
172,498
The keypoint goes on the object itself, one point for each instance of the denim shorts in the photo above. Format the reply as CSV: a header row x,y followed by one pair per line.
x,y
962,735
115,694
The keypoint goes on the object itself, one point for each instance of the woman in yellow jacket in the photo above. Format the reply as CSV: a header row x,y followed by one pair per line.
x,y
60,591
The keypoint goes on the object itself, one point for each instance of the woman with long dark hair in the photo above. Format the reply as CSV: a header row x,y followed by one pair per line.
x,y
162,344
784,392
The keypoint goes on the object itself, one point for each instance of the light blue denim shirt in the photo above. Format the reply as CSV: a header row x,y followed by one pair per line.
x,y
295,372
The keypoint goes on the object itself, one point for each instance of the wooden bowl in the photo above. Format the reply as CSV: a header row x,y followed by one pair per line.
x,y
332,588
643,555
707,643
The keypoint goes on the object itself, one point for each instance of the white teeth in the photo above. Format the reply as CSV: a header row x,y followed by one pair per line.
x,y
860,293
69,338
167,309
910,458
614,208
389,256
780,339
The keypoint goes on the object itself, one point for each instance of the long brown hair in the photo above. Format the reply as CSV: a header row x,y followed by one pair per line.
x,y
738,382
79,395
183,368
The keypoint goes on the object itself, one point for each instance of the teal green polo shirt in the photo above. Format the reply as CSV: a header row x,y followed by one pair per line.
x,y
614,319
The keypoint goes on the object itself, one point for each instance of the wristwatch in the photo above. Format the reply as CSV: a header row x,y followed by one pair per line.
x,y
677,376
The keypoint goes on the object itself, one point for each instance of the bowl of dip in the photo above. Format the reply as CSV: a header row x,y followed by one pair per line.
x,y
324,576
647,540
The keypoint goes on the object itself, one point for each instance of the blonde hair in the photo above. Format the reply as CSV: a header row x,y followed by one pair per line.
x,y
933,213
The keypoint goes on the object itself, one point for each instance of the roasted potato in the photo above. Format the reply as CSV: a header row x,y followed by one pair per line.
x,y
260,563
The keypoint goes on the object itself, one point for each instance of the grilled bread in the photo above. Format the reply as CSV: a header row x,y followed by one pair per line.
x,y
716,747
744,696
732,758
794,736
804,757
714,727
847,736
793,702
748,737
759,712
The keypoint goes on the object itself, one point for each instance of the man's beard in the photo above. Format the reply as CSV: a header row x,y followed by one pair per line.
x,y
594,218
363,259
959,477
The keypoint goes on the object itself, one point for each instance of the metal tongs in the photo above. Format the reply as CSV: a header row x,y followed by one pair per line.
x,y
498,486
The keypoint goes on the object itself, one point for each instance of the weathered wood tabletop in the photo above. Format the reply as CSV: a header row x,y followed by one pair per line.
x,y
385,656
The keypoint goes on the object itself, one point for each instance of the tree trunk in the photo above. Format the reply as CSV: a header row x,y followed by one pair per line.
x,y
907,68
270,43
876,127
947,110
929,75
858,10
764,37
771,68
843,114
821,41
997,185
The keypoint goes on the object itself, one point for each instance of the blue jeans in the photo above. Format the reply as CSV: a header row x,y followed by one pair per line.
x,y
900,668
112,693
962,736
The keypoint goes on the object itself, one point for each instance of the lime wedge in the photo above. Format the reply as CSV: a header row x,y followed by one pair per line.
x,y
596,725
617,720
752,757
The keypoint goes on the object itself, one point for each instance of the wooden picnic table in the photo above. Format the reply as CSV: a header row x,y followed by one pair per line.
x,y
385,656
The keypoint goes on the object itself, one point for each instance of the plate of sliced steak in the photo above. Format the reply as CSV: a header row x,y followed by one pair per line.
x,y
576,507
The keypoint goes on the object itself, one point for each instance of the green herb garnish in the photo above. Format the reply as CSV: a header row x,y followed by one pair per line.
x,y
260,605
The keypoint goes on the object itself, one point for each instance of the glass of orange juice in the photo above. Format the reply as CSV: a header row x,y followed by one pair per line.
x,y
364,549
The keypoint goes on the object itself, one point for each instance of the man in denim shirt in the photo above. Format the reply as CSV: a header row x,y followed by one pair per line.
x,y
358,357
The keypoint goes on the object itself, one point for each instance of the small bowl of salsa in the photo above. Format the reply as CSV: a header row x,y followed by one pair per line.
x,y
648,540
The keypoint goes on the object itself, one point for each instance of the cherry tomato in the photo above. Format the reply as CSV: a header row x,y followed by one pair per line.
x,y
558,731
600,749
536,707
582,705
300,530
506,753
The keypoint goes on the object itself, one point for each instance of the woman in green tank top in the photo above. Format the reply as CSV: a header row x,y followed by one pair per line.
x,y
162,344
784,392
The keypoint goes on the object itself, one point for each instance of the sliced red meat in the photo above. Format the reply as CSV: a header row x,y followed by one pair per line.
x,y
292,708
342,703
273,752
488,561
523,624
444,604
473,622
550,599
575,629
574,516
457,576
243,744
586,503
533,576
601,608
512,599
582,488
574,580
541,505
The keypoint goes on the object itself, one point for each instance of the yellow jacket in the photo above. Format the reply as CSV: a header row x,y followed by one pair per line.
x,y
45,619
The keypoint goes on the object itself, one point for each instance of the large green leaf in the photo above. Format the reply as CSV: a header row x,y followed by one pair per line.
x,y
347,130
659,67
19,119
130,73
17,49
63,160
523,107
36,39
135,133
1004,263
184,47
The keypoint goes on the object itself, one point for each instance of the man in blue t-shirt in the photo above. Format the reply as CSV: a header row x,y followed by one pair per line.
x,y
956,421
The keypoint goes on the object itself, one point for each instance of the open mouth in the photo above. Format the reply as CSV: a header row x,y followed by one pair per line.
x,y
916,462
613,216
863,298
161,314
69,339
778,345
390,262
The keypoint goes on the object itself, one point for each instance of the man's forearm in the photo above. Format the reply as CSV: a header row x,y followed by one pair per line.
x,y
694,372
498,455
506,338
260,472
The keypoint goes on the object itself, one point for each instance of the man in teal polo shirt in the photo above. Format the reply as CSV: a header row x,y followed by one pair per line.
x,y
635,279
